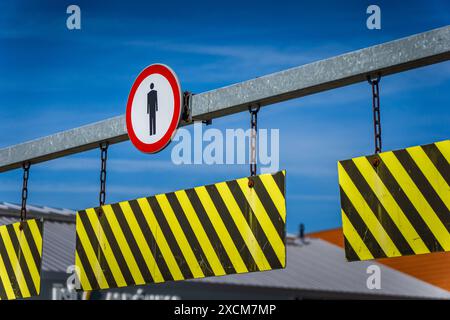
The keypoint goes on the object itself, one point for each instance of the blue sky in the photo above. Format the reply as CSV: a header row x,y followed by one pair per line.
x,y
52,79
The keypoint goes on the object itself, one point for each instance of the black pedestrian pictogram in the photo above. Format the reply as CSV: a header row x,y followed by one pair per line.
x,y
152,107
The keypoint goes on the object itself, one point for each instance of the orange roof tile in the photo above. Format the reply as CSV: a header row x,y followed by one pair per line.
x,y
433,268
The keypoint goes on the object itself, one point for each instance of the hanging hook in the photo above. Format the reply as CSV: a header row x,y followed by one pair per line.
x,y
371,79
254,108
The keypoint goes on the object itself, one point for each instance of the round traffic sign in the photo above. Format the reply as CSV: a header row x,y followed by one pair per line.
x,y
154,108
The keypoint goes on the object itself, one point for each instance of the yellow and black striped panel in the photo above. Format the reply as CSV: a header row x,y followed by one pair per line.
x,y
396,203
213,230
20,259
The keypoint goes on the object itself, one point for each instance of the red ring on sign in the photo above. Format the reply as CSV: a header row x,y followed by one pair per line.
x,y
167,73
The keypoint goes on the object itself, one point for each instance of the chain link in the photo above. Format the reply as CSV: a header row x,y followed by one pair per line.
x,y
26,173
104,157
376,112
253,135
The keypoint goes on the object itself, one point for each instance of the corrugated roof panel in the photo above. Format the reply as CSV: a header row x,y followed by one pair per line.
x,y
11,206
36,209
60,210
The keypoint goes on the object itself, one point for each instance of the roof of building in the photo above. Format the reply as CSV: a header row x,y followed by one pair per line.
x,y
432,268
8,209
312,264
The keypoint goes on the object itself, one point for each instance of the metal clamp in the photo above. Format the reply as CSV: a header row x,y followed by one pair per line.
x,y
187,111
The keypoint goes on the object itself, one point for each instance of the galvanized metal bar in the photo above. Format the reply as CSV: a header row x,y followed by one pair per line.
x,y
392,57
388,58
64,143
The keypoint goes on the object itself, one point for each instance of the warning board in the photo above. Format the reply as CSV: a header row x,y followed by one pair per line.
x,y
213,230
396,203
20,259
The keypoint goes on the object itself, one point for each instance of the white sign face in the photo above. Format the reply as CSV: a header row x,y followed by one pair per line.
x,y
153,108
141,113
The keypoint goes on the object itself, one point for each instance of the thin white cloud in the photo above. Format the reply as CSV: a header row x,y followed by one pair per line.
x,y
116,165
55,188
312,197
236,62
134,166
258,54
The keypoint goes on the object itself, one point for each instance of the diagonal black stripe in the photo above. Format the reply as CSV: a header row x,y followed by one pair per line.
x,y
22,262
97,249
117,252
377,208
438,160
254,225
210,231
350,253
280,180
39,225
137,254
9,269
3,295
270,207
90,275
236,236
425,187
360,227
190,235
32,244
407,207
151,241
172,242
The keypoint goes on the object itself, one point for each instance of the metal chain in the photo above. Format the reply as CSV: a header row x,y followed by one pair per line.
x,y
253,135
104,157
376,112
26,173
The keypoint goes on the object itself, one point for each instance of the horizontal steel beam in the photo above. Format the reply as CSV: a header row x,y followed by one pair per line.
x,y
384,59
